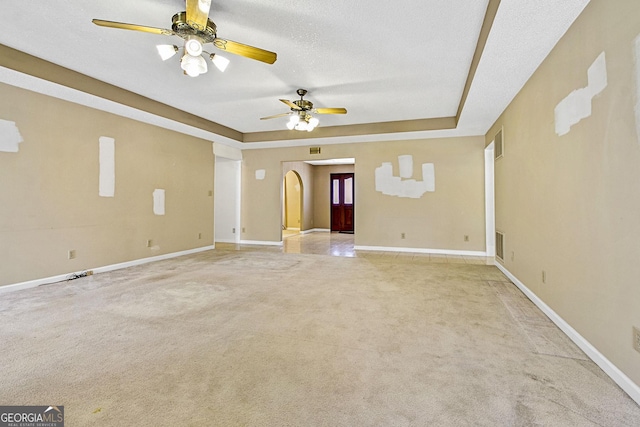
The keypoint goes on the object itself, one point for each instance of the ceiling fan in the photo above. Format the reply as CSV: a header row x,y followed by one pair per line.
x,y
195,27
301,109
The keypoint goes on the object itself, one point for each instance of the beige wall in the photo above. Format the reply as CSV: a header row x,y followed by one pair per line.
x,y
49,202
570,205
438,220
322,192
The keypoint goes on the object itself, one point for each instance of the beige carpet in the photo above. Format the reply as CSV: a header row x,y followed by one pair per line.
x,y
261,338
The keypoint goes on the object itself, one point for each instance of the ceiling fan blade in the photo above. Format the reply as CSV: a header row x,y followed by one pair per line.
x,y
274,117
246,50
291,104
331,110
198,13
134,27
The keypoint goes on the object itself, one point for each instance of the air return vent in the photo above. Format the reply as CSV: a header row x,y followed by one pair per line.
x,y
500,246
499,145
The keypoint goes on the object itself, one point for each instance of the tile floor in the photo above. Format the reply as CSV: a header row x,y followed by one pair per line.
x,y
342,245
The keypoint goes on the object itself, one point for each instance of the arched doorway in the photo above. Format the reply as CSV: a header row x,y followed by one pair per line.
x,y
292,204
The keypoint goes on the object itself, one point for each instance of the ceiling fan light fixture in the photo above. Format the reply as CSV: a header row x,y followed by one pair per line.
x,y
293,121
302,126
166,51
300,117
193,46
219,61
193,65
313,122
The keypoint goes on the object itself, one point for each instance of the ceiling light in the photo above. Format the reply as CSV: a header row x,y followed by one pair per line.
x,y
293,121
193,65
166,51
219,61
313,122
302,121
193,46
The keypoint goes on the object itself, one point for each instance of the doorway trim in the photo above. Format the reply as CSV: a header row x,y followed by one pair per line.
x,y
227,184
286,199
490,199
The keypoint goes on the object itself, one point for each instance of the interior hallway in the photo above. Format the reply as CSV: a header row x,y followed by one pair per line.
x,y
263,336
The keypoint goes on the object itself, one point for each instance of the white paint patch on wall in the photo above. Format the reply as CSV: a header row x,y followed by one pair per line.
x,y
429,177
260,174
405,162
391,185
158,201
637,60
10,137
107,174
577,105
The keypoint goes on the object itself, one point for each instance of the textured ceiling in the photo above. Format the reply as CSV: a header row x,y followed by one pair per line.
x,y
383,62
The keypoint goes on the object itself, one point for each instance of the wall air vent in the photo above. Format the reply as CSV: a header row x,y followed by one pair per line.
x,y
314,150
500,246
499,144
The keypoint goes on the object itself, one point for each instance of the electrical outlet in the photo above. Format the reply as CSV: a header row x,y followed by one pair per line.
x,y
233,230
210,193
544,276
402,235
72,254
636,339
466,238
243,230
199,236
149,243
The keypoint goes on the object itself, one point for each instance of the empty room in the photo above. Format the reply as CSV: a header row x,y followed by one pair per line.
x,y
267,213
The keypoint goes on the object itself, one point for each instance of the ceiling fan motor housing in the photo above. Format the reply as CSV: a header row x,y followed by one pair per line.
x,y
304,104
185,30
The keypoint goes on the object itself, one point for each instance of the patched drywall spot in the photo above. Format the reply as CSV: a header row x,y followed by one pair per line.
x,y
577,105
405,162
10,137
399,186
158,201
637,59
107,173
260,174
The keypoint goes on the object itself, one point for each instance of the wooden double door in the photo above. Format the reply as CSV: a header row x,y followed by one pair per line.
x,y
342,202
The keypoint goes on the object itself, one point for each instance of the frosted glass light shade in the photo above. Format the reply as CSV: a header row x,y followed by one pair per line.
x,y
293,121
193,47
193,65
219,61
313,122
166,51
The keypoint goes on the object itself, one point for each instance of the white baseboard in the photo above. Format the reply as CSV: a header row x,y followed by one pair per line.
x,y
420,250
63,277
260,242
293,228
316,230
631,388
226,241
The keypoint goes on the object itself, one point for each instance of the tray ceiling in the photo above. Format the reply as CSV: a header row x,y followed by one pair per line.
x,y
385,62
